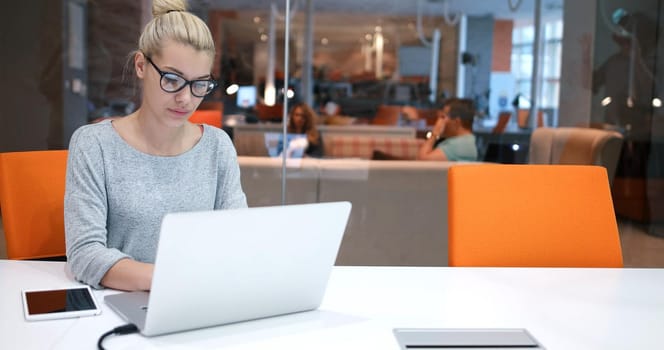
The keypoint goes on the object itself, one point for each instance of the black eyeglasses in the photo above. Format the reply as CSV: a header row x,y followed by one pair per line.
x,y
172,82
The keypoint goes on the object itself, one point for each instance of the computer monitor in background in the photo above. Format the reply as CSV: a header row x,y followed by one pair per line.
x,y
246,96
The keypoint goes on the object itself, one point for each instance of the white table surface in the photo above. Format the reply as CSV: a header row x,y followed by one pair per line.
x,y
562,308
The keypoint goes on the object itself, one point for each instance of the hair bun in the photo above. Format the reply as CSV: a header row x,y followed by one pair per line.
x,y
162,7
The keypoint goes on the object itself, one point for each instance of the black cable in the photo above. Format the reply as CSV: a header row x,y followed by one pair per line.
x,y
122,330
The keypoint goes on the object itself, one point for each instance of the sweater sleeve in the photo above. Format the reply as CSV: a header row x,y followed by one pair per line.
x,y
86,209
229,189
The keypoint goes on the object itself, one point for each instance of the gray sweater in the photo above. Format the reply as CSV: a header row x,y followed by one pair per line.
x,y
116,196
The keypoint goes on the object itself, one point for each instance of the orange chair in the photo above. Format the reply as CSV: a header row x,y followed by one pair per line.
x,y
531,216
32,189
210,117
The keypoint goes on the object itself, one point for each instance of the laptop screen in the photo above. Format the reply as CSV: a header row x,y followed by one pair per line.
x,y
295,146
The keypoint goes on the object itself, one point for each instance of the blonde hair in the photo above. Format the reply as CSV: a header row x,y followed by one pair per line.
x,y
171,21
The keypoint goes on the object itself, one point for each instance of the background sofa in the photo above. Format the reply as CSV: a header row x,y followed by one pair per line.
x,y
249,139
399,214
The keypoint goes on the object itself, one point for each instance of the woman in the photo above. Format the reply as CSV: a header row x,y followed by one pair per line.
x,y
302,120
124,175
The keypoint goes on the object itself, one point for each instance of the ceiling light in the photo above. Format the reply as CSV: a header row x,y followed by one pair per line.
x,y
231,89
606,101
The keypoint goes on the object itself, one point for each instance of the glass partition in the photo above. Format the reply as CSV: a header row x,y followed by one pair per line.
x,y
626,96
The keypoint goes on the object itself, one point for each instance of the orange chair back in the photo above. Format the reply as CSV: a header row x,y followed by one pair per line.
x,y
32,189
210,117
531,216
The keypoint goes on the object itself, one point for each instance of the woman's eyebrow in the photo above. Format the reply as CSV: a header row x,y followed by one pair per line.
x,y
175,70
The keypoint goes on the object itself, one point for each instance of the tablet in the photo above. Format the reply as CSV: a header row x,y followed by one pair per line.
x,y
460,338
48,304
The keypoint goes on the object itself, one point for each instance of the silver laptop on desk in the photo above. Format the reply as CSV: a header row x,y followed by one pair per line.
x,y
227,266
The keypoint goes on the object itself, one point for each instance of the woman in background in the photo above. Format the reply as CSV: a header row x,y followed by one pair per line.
x,y
302,120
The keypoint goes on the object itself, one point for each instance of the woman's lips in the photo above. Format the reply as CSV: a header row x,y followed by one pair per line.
x,y
179,112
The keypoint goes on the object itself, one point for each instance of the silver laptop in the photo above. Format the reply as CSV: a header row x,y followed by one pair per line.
x,y
226,266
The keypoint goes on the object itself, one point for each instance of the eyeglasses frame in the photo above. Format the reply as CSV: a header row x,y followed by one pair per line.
x,y
214,82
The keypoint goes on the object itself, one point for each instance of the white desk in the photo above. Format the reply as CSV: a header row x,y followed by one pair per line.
x,y
563,309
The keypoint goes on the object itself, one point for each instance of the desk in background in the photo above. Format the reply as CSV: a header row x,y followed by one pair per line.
x,y
509,147
497,147
563,308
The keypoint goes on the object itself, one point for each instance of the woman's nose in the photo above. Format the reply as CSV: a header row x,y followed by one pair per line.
x,y
183,96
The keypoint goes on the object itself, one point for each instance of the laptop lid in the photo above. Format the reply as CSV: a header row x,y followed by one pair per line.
x,y
226,266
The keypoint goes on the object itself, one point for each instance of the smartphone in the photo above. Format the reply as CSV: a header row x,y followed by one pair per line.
x,y
49,304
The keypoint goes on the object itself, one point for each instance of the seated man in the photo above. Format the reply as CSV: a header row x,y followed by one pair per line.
x,y
455,124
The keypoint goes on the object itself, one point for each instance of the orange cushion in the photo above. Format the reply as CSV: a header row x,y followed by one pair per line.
x,y
210,117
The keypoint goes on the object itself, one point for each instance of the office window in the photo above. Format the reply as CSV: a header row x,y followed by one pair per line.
x,y
523,38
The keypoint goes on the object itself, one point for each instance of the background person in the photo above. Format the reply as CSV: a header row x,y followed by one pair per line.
x,y
302,120
627,75
454,123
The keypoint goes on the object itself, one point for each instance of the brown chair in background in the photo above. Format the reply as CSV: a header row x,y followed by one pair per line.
x,y
430,115
576,146
523,117
32,189
270,113
387,115
503,120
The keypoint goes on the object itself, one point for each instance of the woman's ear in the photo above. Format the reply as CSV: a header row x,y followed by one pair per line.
x,y
139,65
